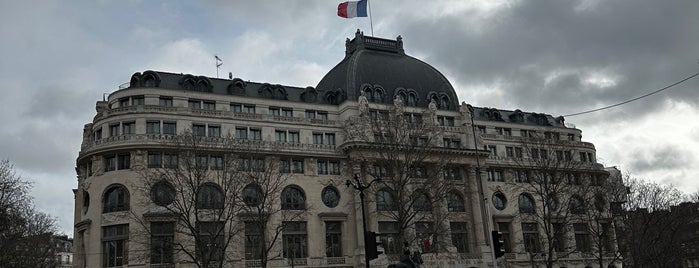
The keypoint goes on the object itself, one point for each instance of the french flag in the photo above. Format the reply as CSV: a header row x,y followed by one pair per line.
x,y
352,9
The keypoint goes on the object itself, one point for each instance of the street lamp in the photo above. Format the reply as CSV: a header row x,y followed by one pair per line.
x,y
358,184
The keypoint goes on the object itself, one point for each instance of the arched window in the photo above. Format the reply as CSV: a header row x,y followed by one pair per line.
x,y
444,103
499,201
378,95
412,99
455,203
421,201
209,197
116,198
600,202
330,196
577,205
384,200
526,204
86,201
162,193
252,195
293,199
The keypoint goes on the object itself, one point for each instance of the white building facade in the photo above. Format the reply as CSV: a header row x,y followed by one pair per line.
x,y
306,129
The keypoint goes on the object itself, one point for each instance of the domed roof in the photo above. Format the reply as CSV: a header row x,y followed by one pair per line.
x,y
380,66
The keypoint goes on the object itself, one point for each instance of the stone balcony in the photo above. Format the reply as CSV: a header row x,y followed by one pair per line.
x,y
220,114
165,141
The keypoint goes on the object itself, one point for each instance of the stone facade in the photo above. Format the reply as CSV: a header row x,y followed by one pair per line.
x,y
319,127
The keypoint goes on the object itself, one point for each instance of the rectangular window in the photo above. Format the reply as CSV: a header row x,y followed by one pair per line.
x,y
166,101
199,130
153,127
568,156
418,172
169,128
317,138
590,158
294,137
459,236
280,135
155,159
389,237
534,153
98,134
559,237
330,138
202,162
170,160
216,162
322,167
530,237
504,228
440,120
253,241
109,163
241,133
214,131
210,241
124,161
509,151
334,168
450,121
274,111
507,131
521,176
523,133
284,166
123,102
544,154
194,104
255,134
333,239
287,112
249,109
481,129
115,245
138,100
162,237
310,114
495,175
498,130
559,155
236,108
452,173
295,239
571,137
209,105
297,165
582,237
322,115
583,157
492,149
113,130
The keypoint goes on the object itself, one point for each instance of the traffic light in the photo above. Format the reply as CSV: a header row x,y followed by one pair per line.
x,y
498,244
371,245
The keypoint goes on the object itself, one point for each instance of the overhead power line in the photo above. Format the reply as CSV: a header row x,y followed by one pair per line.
x,y
634,99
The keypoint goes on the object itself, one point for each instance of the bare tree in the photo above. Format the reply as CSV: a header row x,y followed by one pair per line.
x,y
262,209
410,153
653,222
25,233
195,189
554,199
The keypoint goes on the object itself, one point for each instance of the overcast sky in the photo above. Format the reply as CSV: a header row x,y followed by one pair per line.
x,y
553,56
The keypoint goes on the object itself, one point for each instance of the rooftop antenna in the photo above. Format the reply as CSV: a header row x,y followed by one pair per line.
x,y
230,75
219,62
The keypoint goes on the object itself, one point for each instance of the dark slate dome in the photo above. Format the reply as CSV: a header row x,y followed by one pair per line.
x,y
381,68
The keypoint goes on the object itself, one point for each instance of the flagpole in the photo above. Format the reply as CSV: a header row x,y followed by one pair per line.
x,y
371,23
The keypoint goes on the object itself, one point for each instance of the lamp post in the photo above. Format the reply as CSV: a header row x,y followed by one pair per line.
x,y
358,184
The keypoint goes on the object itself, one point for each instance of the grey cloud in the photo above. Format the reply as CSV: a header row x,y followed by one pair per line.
x,y
639,40
667,158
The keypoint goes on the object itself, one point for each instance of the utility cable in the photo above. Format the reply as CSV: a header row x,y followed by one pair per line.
x,y
634,99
